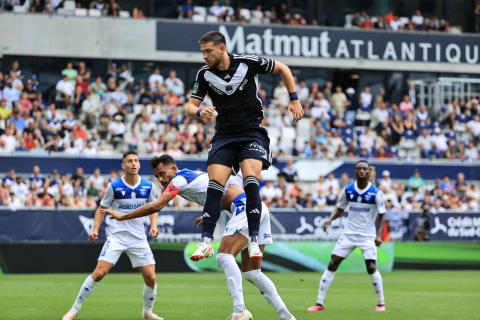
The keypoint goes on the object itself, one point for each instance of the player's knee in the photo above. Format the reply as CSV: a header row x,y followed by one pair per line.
x,y
371,267
99,274
222,259
150,280
333,266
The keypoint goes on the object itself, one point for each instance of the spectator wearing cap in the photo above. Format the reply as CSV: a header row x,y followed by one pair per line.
x,y
386,181
438,142
352,104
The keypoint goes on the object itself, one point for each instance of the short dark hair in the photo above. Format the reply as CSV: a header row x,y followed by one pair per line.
x,y
128,153
165,159
362,161
213,36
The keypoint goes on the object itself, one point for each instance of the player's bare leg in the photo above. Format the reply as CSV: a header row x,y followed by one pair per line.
x,y
149,292
251,170
325,282
101,270
229,249
218,175
377,283
253,273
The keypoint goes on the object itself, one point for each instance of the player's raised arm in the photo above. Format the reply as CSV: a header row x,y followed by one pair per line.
x,y
294,107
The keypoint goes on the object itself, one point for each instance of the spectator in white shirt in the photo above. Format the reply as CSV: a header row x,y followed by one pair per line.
x,y
439,140
472,152
333,183
366,97
367,140
417,20
424,143
155,80
269,191
386,182
66,89
474,126
215,9
175,84
303,92
8,142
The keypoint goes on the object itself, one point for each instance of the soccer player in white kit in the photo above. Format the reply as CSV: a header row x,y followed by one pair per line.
x,y
124,194
192,185
365,202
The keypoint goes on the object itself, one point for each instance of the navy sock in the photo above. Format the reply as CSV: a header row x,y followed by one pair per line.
x,y
254,204
212,208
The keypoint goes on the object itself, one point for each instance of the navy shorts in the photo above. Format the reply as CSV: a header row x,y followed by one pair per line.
x,y
232,148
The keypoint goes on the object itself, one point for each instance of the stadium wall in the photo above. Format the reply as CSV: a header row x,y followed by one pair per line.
x,y
150,39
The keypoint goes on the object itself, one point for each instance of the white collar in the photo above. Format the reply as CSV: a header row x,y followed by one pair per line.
x,y
134,186
361,191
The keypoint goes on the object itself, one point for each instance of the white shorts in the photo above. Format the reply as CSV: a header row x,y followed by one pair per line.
x,y
239,223
347,243
138,250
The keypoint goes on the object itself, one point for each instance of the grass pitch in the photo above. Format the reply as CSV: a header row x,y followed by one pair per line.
x,y
409,295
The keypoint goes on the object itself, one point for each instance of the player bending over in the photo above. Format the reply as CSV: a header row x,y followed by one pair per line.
x,y
364,201
123,194
192,185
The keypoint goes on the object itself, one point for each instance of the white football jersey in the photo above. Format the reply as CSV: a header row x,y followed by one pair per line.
x,y
124,198
192,185
363,208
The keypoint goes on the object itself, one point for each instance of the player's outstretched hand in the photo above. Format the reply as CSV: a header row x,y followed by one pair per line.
x,y
199,221
153,231
208,113
326,223
378,241
93,235
295,108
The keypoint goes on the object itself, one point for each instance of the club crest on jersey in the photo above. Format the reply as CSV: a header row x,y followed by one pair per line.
x,y
359,199
143,192
263,61
123,192
133,195
229,88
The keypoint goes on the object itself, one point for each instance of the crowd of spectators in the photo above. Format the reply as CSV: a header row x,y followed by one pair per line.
x,y
225,12
417,22
101,7
82,191
103,114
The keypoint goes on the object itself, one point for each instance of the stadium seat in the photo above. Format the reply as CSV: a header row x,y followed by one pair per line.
x,y
246,14
198,18
199,10
212,18
94,13
81,12
124,14
256,21
69,5
20,9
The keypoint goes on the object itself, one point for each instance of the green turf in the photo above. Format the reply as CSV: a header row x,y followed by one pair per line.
x,y
438,251
410,295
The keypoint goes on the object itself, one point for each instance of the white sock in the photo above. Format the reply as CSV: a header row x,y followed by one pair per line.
x,y
269,292
378,286
325,282
234,280
149,296
86,289
206,240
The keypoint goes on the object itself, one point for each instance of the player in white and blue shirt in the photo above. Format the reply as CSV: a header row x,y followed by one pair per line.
x,y
192,185
123,195
363,202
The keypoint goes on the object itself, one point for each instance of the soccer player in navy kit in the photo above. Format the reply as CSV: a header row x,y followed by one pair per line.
x,y
231,81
